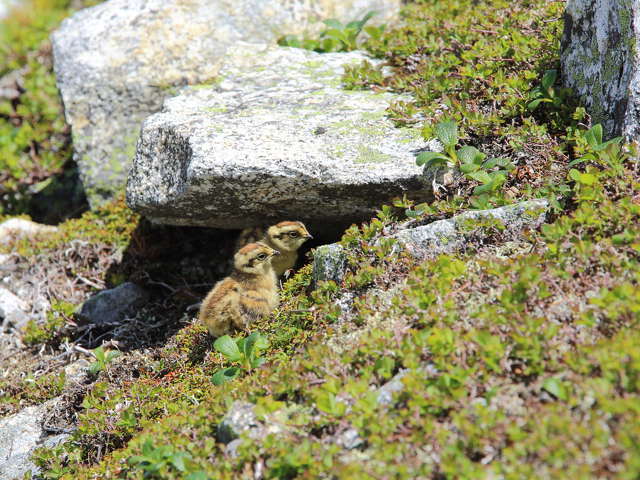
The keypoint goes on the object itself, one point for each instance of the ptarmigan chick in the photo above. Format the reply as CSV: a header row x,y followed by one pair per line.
x,y
250,292
286,237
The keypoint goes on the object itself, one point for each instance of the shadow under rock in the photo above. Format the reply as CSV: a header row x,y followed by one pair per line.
x,y
176,266
62,198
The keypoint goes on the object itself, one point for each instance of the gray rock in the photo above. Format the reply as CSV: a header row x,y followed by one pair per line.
x,y
277,138
116,62
600,64
22,228
13,310
20,435
349,439
110,307
329,263
239,419
76,372
443,236
386,391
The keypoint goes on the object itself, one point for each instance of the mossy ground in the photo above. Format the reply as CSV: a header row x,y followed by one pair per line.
x,y
522,359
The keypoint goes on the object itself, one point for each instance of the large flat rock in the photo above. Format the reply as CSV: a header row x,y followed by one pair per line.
x,y
278,138
116,62
600,61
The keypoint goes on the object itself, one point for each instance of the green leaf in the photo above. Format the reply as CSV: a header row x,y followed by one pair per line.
x,y
534,104
549,78
469,167
224,375
556,388
384,366
469,154
504,163
226,346
480,176
326,402
447,133
339,35
582,178
197,476
333,23
596,130
289,41
328,45
177,460
256,342
429,157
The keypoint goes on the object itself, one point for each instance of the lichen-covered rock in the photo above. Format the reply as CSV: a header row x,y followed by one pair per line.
x,y
116,62
20,435
329,262
242,419
109,307
276,139
600,63
452,234
445,236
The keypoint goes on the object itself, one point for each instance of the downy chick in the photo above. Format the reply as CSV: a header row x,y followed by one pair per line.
x,y
250,292
286,237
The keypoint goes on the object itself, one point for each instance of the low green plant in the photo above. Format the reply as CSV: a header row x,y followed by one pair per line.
x,y
51,331
545,92
491,172
337,37
244,351
103,358
590,143
154,460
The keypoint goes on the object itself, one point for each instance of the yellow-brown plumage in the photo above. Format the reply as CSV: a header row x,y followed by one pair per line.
x,y
286,237
250,292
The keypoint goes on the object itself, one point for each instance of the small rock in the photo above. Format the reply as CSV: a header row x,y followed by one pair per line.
x,y
20,435
76,372
242,419
13,310
329,263
386,391
21,228
445,236
349,439
239,419
110,307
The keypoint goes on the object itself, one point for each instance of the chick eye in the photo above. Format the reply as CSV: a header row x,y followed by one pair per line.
x,y
262,256
293,234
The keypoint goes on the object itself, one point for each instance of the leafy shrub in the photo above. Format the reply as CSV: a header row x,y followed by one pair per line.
x,y
337,37
103,358
245,351
491,173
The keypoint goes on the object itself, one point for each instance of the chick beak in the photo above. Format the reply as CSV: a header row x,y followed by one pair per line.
x,y
308,235
276,252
